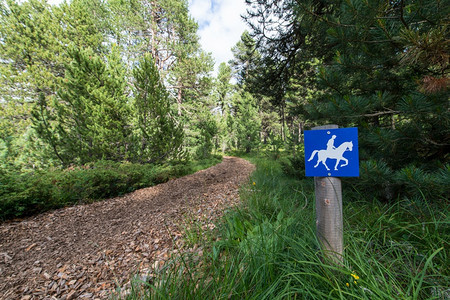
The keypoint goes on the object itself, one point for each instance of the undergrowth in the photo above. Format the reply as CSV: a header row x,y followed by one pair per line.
x,y
266,249
25,194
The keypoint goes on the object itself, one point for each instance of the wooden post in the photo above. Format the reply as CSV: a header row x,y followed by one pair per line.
x,y
329,223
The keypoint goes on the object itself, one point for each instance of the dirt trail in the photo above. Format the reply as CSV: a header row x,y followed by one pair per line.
x,y
86,251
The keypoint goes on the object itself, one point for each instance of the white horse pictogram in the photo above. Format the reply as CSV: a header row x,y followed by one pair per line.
x,y
334,154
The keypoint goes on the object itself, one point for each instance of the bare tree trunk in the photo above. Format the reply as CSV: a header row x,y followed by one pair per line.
x,y
283,121
179,98
300,129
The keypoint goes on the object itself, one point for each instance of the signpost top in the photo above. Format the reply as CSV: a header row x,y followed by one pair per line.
x,y
332,152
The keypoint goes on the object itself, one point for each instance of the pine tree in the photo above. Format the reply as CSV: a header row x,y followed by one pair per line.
x,y
33,54
160,136
223,86
166,31
91,120
384,68
85,23
377,81
222,95
246,121
208,129
250,72
29,66
245,59
35,37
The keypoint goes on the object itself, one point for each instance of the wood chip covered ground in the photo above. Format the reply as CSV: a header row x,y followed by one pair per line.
x,y
86,251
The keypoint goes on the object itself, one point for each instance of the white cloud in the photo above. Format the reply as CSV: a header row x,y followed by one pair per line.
x,y
220,25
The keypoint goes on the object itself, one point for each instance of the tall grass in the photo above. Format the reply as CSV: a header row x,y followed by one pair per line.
x,y
267,249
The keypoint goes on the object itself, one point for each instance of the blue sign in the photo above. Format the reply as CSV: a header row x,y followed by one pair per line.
x,y
332,152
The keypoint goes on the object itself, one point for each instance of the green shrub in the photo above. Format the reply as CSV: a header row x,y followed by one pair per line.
x,y
384,184
35,192
294,166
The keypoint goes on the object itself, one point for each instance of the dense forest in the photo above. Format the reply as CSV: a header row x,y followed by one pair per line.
x,y
93,84
100,98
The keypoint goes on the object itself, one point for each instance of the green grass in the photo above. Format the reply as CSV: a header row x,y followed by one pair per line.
x,y
31,193
266,249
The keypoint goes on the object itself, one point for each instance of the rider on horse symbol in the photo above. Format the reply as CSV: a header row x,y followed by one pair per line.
x,y
332,152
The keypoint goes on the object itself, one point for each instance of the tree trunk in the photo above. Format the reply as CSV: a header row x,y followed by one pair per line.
x,y
300,129
283,121
179,99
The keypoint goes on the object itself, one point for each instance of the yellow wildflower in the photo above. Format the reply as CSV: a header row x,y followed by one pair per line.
x,y
355,282
347,284
355,276
254,183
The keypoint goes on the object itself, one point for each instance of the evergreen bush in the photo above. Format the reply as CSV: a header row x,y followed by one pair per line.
x,y
379,66
26,194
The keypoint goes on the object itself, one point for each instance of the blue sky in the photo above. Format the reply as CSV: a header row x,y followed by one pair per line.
x,y
220,25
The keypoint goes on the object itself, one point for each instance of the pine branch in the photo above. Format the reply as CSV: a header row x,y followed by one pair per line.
x,y
435,143
381,113
402,4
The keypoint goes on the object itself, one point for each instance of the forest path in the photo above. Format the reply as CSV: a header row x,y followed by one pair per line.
x,y
86,251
